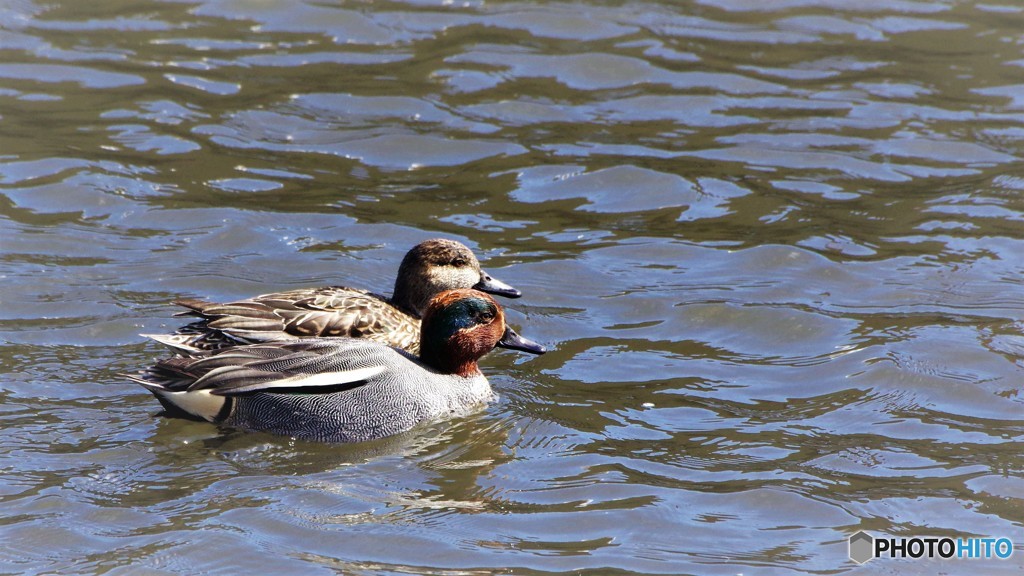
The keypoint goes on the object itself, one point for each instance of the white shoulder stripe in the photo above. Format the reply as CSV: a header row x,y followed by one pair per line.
x,y
325,379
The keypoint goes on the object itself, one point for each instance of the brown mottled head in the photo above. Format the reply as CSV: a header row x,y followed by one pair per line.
x,y
434,266
460,326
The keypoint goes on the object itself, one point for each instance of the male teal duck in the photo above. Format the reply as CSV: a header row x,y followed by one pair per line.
x,y
343,389
428,268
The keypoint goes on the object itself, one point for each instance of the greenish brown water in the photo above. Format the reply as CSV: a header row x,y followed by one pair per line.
x,y
776,248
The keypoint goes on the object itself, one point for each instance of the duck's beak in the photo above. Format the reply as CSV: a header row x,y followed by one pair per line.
x,y
492,285
514,341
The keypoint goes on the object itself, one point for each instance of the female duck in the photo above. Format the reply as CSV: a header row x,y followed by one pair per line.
x,y
428,268
343,389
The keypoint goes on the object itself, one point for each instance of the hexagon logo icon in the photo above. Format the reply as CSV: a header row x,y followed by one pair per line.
x,y
861,547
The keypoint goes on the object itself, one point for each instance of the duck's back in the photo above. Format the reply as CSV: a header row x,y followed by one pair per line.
x,y
330,311
402,395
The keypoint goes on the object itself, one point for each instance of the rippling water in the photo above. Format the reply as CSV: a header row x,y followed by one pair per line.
x,y
777,247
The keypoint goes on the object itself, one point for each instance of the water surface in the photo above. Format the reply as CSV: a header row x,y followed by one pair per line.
x,y
776,248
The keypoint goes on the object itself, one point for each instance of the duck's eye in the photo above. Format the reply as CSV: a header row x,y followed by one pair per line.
x,y
459,262
485,317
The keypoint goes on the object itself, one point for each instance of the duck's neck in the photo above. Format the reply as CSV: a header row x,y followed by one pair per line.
x,y
452,355
464,369
445,361
404,297
402,302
